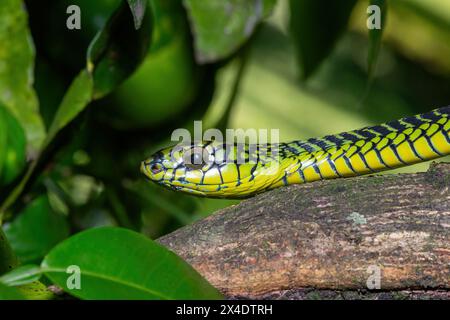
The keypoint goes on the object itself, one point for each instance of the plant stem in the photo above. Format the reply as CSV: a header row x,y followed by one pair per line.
x,y
17,191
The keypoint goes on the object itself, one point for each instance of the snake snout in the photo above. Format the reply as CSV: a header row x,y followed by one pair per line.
x,y
153,166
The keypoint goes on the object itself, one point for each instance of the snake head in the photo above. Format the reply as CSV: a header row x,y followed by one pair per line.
x,y
211,168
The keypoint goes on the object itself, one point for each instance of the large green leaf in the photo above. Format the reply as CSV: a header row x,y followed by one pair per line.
x,y
36,230
221,27
375,36
118,263
315,27
16,71
118,49
8,293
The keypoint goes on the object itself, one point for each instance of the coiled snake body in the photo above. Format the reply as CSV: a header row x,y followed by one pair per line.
x,y
215,169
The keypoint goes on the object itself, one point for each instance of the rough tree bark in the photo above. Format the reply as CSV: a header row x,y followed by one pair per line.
x,y
328,239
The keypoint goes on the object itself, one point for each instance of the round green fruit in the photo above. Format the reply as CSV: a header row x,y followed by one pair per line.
x,y
168,80
162,87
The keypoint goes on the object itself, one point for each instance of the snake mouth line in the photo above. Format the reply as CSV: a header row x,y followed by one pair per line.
x,y
180,188
174,188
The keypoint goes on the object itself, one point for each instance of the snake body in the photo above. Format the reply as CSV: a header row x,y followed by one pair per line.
x,y
215,169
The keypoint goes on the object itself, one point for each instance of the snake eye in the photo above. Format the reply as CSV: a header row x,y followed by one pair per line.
x,y
194,158
156,168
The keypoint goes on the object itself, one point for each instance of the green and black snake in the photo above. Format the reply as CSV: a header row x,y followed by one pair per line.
x,y
213,169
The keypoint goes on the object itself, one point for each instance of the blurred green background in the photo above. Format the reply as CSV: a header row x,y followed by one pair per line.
x,y
90,176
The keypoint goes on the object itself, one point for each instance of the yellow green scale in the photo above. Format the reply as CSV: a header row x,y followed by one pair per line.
x,y
372,149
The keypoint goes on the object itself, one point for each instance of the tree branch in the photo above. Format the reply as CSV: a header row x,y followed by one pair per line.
x,y
328,235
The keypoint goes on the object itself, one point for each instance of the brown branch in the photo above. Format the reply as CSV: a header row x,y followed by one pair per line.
x,y
326,235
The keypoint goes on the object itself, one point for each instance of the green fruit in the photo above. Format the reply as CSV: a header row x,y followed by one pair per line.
x,y
163,86
13,154
168,80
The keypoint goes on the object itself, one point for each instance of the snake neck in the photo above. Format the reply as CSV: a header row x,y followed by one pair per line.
x,y
368,150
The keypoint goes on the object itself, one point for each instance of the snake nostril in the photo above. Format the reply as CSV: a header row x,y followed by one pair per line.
x,y
156,168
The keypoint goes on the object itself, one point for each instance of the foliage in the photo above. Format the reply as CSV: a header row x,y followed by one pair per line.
x,y
79,110
328,25
220,27
16,74
36,230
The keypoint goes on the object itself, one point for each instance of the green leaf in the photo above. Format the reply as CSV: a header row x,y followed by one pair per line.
x,y
25,279
138,7
75,100
8,259
12,147
315,29
221,27
118,49
36,230
16,71
8,293
375,36
35,291
21,275
118,263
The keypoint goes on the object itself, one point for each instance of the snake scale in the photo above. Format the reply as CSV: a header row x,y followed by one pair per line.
x,y
218,170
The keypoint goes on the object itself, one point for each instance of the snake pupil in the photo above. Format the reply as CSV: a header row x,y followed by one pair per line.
x,y
156,168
